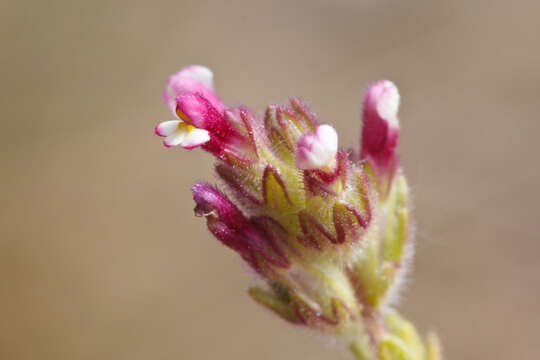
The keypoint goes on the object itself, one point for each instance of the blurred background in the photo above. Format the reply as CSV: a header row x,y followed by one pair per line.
x,y
101,256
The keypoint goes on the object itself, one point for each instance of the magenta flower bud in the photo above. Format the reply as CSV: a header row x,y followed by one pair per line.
x,y
317,149
233,229
212,202
380,125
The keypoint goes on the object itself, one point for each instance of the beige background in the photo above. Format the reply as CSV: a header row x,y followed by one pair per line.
x,y
101,257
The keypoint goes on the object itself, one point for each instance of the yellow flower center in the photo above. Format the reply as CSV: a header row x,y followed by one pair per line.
x,y
185,127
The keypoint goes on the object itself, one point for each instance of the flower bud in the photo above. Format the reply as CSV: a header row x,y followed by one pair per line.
x,y
211,202
380,125
317,150
232,228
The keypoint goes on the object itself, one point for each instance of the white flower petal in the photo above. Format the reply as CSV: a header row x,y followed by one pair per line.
x,y
167,128
329,138
175,138
200,73
316,150
195,137
388,103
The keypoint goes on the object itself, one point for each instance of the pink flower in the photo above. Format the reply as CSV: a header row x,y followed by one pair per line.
x,y
194,79
200,112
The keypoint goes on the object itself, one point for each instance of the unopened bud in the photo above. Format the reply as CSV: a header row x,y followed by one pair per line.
x,y
318,149
380,123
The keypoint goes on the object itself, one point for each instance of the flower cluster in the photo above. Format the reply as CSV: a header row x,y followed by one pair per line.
x,y
327,229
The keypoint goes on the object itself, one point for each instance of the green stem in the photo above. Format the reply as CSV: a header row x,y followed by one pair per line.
x,y
361,349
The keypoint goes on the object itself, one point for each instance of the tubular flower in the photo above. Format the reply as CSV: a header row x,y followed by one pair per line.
x,y
328,231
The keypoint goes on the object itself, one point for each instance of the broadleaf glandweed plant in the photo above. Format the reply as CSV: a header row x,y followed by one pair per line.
x,y
328,230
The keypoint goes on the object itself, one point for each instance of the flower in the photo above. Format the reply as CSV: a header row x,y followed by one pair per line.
x,y
200,112
190,79
328,231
